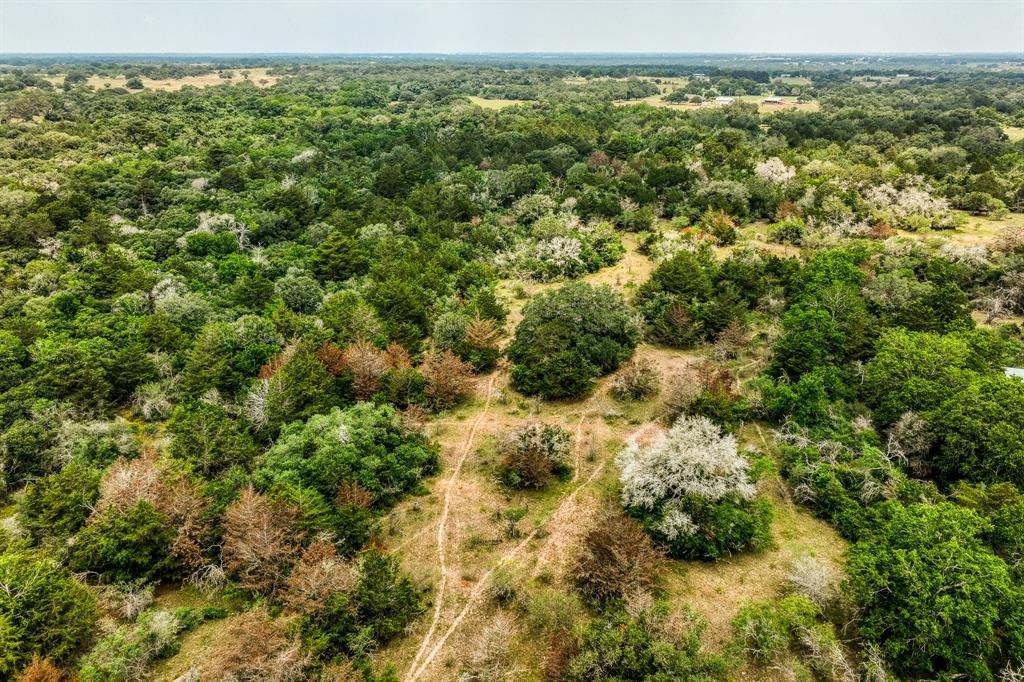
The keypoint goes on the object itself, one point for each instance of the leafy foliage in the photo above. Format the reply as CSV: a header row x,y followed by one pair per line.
x,y
567,338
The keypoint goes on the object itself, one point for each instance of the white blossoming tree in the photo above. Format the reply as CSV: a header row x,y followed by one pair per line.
x,y
691,489
775,171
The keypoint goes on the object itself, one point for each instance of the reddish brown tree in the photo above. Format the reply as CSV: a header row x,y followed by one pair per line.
x,y
41,670
366,363
319,574
397,357
353,495
254,647
449,380
261,538
617,558
332,357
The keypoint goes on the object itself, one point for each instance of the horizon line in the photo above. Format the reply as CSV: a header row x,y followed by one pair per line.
x,y
516,53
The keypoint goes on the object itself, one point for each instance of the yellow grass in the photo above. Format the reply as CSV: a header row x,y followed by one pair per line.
x,y
497,103
1015,133
789,104
795,80
259,77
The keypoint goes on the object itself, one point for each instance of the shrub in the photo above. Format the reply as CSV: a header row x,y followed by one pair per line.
x,y
41,670
550,611
787,231
617,646
254,647
124,545
43,611
680,393
448,380
533,455
719,225
810,578
57,505
768,629
636,380
125,654
567,338
617,558
691,490
772,632
490,657
260,539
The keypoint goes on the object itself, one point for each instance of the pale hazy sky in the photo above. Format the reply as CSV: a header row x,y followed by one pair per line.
x,y
209,26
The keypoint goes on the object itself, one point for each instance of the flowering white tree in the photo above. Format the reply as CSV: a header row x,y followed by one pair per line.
x,y
775,171
694,458
910,208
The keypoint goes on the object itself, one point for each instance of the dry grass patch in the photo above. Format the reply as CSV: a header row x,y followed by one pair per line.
x,y
788,104
484,103
717,590
1015,133
259,77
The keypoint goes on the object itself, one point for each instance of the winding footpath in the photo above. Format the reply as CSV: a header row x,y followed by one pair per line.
x,y
442,526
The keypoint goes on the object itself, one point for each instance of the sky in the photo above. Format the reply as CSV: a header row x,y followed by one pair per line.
x,y
447,26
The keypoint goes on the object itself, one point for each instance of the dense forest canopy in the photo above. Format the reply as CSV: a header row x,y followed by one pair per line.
x,y
272,327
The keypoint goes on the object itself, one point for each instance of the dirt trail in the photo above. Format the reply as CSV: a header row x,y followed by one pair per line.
x,y
570,521
442,525
561,517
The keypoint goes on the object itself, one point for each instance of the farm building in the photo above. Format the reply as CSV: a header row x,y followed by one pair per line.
x,y
773,100
724,100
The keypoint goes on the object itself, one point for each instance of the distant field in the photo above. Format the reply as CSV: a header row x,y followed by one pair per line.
x,y
259,77
794,80
497,103
790,103
1016,134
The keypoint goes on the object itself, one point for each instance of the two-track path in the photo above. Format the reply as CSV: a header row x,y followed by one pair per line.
x,y
563,524
442,524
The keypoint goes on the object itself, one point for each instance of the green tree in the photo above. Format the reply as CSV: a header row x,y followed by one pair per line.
x,y
980,431
568,337
205,436
44,611
58,504
932,596
121,546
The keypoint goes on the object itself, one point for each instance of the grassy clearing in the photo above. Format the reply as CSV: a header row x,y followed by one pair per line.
x,y
789,104
259,77
498,103
1015,133
482,549
794,80
717,590
979,231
